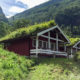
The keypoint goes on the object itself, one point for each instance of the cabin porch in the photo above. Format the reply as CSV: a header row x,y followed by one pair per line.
x,y
48,52
49,37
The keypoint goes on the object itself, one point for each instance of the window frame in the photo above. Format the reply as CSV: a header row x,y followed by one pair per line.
x,y
33,42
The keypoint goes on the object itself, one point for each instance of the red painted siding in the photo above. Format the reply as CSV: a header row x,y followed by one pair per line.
x,y
20,47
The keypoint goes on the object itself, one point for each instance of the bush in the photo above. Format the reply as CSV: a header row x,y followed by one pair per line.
x,y
77,56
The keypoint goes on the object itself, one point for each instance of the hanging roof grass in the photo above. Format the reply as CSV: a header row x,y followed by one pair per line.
x,y
27,31
73,41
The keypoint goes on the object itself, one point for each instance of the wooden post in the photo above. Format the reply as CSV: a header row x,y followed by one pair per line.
x,y
64,47
76,49
37,46
49,40
56,41
71,52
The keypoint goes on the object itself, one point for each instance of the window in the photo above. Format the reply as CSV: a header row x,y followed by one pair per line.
x,y
47,46
40,44
52,46
34,43
44,44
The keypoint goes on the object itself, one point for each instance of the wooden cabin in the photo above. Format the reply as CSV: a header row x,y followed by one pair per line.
x,y
47,42
73,48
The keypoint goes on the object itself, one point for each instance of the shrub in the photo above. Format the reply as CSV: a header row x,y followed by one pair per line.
x,y
77,56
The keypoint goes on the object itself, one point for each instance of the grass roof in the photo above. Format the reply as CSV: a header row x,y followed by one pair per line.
x,y
27,31
73,41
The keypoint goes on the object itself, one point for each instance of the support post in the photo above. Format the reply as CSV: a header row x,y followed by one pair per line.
x,y
64,47
56,41
49,40
76,49
37,46
71,52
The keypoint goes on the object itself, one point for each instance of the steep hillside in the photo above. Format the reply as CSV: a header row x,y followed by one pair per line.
x,y
47,11
13,66
2,16
65,12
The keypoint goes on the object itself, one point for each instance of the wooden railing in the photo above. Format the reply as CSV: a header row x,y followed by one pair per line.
x,y
44,51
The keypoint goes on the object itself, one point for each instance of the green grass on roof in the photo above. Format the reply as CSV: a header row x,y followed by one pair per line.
x,y
73,41
30,30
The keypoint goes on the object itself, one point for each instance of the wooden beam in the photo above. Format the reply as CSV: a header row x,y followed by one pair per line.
x,y
52,28
64,47
51,38
57,42
76,49
71,50
36,46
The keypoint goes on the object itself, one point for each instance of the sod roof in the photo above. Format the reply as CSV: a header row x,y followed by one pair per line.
x,y
28,31
73,41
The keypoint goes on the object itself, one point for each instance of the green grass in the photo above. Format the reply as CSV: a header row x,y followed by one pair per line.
x,y
13,66
55,69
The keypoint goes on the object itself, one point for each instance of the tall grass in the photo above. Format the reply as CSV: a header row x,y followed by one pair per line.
x,y
55,69
13,66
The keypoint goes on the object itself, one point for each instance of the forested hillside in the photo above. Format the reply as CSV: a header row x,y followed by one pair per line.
x,y
2,16
65,12
4,27
50,10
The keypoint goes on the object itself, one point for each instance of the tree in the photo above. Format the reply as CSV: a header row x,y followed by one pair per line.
x,y
4,29
21,23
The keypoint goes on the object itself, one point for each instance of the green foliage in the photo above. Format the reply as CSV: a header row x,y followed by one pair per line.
x,y
73,41
13,66
2,16
65,12
55,69
30,30
21,23
77,57
4,29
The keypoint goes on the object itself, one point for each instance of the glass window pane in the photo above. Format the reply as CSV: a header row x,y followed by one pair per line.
x,y
34,43
44,45
40,44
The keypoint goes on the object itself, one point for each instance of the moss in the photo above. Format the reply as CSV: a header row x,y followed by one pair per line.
x,y
30,30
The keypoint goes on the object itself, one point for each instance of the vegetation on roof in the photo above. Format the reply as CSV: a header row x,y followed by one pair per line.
x,y
73,41
30,30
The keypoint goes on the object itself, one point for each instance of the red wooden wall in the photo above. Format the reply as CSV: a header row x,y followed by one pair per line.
x,y
20,47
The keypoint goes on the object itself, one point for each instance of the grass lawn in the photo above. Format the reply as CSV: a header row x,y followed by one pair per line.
x,y
55,69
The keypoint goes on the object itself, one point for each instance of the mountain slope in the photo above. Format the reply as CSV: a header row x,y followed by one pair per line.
x,y
46,11
2,16
65,12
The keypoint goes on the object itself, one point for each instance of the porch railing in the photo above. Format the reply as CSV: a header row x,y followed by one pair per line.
x,y
44,51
